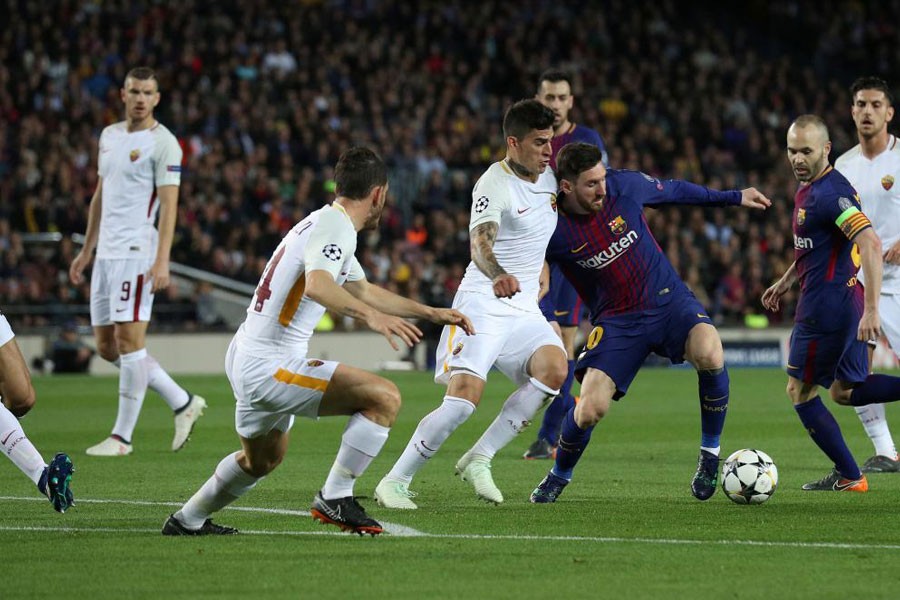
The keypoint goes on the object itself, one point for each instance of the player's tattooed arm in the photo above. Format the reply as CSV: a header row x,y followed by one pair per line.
x,y
482,244
483,237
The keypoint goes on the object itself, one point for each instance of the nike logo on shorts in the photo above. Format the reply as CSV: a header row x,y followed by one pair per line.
x,y
579,248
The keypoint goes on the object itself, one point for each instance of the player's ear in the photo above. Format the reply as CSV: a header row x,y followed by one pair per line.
x,y
566,186
889,114
512,141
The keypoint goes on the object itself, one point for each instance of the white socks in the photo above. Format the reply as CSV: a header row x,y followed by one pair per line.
x,y
360,444
132,389
16,445
228,483
514,417
160,382
432,431
873,419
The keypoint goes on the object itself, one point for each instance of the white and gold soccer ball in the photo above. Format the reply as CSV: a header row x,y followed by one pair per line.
x,y
749,476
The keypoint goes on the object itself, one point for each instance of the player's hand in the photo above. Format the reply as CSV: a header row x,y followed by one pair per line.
x,y
506,286
892,256
159,275
869,326
544,281
450,316
76,269
771,298
753,198
390,326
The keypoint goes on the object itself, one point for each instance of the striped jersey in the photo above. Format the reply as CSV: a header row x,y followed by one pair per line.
x,y
578,133
133,165
826,218
611,257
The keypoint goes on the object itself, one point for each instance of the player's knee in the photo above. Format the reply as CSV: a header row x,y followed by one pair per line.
x,y
553,374
260,465
107,350
840,395
590,411
710,357
389,400
22,400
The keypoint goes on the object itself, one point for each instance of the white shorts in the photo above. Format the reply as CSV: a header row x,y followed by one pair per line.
x,y
505,337
270,392
120,291
6,332
889,307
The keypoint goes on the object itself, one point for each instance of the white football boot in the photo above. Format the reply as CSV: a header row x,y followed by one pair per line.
x,y
476,469
391,493
110,447
185,420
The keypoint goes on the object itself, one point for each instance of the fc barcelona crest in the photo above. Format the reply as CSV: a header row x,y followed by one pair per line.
x,y
618,225
801,216
135,154
887,182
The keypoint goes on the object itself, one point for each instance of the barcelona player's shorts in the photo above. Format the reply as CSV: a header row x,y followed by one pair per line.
x,y
619,345
562,303
818,357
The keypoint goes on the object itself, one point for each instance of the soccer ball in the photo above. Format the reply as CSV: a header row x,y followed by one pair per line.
x,y
749,476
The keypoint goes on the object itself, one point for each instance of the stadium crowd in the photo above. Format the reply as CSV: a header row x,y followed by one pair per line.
x,y
264,96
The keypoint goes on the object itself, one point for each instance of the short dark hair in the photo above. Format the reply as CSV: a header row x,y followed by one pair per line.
x,y
871,83
142,74
555,76
811,120
358,171
576,158
525,116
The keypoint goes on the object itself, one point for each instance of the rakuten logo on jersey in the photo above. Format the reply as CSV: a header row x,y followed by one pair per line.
x,y
802,243
615,250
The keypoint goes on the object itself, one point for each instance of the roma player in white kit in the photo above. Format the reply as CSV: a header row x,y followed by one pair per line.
x,y
17,394
873,167
274,379
139,175
513,216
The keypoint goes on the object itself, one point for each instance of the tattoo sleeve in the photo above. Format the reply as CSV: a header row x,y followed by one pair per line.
x,y
482,244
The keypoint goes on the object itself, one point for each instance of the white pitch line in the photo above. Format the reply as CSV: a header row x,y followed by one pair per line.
x,y
402,531
391,528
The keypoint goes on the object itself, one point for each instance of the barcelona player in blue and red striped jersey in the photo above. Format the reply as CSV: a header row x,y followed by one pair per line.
x,y
638,303
561,305
835,316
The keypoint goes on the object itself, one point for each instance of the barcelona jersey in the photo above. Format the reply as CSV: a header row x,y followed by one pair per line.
x,y
611,257
577,133
826,218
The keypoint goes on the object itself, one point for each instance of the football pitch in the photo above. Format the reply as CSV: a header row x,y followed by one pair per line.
x,y
627,526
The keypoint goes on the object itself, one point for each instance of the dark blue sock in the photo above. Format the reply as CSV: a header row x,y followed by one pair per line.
x,y
572,442
713,384
826,433
876,389
556,412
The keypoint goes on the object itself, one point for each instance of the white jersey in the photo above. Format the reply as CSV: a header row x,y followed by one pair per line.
x,y
526,213
132,166
878,183
280,319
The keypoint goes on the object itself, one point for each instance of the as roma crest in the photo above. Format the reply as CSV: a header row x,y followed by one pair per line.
x,y
553,203
314,363
618,225
135,154
887,182
458,349
801,216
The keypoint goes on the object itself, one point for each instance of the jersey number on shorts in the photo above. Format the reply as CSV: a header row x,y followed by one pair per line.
x,y
263,292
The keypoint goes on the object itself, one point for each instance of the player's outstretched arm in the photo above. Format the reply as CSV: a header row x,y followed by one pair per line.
x,y
870,255
393,304
91,235
322,288
771,298
482,241
753,198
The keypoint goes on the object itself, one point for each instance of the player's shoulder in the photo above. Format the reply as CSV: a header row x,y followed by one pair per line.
x,y
848,157
163,133
495,180
114,129
332,218
585,133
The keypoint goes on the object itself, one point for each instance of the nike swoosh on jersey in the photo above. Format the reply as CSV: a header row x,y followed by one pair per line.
x,y
790,366
523,210
702,316
579,248
560,313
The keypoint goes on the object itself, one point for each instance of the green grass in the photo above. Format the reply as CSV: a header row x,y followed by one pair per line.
x,y
629,496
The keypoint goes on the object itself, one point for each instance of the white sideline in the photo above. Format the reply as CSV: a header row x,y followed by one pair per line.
x,y
402,531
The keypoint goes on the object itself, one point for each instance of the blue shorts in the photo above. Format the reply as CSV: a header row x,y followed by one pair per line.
x,y
562,303
821,357
620,344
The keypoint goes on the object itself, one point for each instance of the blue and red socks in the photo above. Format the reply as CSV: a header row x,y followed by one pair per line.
x,y
826,433
876,389
551,424
572,442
